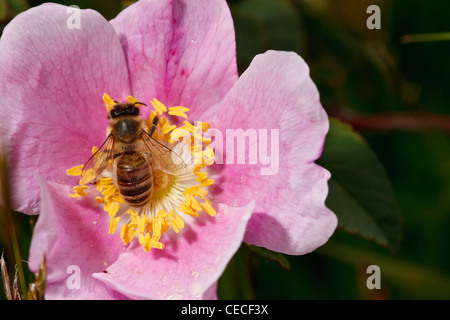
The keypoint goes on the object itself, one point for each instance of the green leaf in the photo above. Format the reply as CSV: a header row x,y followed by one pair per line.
x,y
18,5
360,194
417,281
3,10
271,255
266,24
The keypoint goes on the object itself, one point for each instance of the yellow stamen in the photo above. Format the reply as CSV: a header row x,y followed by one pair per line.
x,y
196,191
159,107
80,189
113,224
144,241
109,192
189,127
155,244
207,161
178,111
187,210
117,198
167,128
113,209
108,205
88,176
156,136
209,208
207,182
128,232
100,200
132,212
79,192
147,223
156,226
176,219
201,176
140,223
105,181
197,168
204,126
197,148
75,195
178,133
108,102
209,152
75,171
201,139
131,99
195,205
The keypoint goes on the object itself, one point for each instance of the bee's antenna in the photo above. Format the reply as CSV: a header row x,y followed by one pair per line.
x,y
140,103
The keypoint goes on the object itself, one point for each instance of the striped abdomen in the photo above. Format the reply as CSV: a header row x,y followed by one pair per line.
x,y
134,178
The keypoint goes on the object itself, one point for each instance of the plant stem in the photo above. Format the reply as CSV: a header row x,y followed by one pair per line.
x,y
399,121
425,37
9,221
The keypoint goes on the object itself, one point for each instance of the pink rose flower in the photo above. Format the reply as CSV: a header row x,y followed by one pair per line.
x,y
181,53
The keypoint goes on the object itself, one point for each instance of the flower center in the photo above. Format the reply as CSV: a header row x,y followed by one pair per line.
x,y
149,197
161,181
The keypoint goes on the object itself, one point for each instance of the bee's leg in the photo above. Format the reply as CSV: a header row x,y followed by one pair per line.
x,y
154,124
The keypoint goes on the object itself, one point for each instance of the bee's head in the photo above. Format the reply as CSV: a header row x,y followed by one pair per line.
x,y
124,109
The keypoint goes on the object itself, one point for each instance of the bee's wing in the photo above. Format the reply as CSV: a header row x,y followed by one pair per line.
x,y
161,156
102,159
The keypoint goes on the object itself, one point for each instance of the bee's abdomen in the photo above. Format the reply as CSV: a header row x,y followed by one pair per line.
x,y
134,178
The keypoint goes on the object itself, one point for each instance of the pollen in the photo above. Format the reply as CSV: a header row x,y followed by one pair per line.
x,y
178,111
207,182
204,126
113,224
79,192
167,128
201,176
109,103
131,99
75,171
88,176
178,133
209,208
159,107
175,195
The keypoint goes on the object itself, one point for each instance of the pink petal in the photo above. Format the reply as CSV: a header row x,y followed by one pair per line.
x,y
190,264
180,52
73,235
53,79
276,93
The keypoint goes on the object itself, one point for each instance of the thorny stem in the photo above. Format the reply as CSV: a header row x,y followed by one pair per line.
x,y
425,37
9,221
384,122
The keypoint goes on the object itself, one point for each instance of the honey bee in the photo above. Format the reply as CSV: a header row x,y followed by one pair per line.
x,y
132,154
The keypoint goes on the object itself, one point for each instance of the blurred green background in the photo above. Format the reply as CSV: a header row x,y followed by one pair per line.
x,y
392,89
